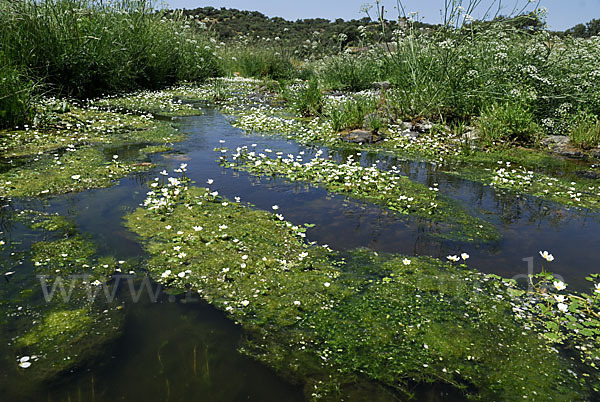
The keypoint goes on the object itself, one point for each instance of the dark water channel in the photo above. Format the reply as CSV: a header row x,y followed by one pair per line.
x,y
152,361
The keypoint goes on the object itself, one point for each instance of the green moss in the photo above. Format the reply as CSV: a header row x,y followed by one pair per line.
x,y
64,254
329,321
58,327
565,188
83,141
427,320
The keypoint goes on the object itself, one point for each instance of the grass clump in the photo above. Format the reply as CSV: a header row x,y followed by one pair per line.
x,y
309,101
349,72
86,47
507,123
259,62
352,113
328,321
585,132
16,93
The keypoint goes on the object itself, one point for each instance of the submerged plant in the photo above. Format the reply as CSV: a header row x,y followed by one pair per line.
x,y
389,189
328,320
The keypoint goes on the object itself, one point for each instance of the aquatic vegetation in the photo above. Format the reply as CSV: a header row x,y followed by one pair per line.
x,y
566,189
47,222
389,189
54,322
75,125
327,319
430,320
76,149
64,338
535,172
564,318
75,170
164,103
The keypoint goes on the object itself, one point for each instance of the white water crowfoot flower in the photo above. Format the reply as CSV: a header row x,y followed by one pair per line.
x,y
464,256
75,177
275,207
547,256
562,307
210,181
453,258
597,288
24,362
406,261
559,285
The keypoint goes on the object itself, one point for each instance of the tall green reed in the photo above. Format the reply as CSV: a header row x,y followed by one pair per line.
x,y
87,47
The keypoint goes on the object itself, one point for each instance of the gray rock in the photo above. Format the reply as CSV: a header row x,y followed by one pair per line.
x,y
587,174
559,144
385,85
471,135
421,125
570,153
555,140
407,125
256,97
361,137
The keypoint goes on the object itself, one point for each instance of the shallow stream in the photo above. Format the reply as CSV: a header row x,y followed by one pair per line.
x,y
181,350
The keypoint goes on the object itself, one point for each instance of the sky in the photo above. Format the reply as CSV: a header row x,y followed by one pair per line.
x,y
562,14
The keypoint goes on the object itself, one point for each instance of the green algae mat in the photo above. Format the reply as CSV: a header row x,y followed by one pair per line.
x,y
329,320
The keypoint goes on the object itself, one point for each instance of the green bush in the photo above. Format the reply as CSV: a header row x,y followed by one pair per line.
x,y
507,123
586,131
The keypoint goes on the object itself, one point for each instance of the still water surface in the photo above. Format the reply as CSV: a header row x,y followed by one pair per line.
x,y
177,351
